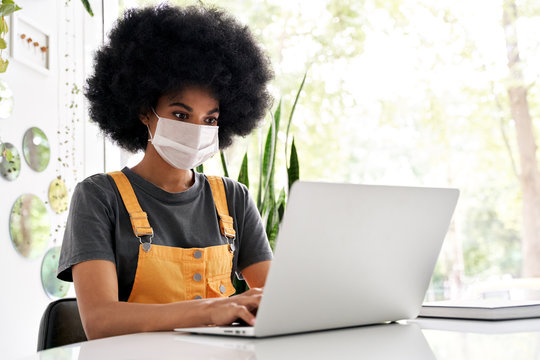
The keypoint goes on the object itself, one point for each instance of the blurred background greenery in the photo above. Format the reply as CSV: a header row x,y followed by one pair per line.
x,y
415,92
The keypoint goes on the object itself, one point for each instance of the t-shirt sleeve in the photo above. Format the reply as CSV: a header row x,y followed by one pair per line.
x,y
89,227
254,246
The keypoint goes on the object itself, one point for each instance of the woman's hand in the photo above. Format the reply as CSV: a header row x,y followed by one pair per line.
x,y
243,306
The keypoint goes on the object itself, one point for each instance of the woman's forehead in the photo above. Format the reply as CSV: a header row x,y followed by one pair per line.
x,y
190,91
190,97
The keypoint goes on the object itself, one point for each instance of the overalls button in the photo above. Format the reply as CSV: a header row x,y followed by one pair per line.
x,y
222,289
197,277
198,297
197,254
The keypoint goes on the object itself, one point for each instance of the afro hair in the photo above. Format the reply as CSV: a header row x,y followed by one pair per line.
x,y
155,50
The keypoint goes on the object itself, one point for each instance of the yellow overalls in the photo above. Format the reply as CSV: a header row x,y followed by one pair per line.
x,y
168,274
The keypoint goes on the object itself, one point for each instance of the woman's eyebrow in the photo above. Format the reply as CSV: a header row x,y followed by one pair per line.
x,y
188,108
182,105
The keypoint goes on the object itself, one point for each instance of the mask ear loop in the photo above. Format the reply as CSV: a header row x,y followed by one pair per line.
x,y
149,132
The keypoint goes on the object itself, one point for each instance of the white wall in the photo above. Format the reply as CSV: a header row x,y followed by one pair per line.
x,y
44,101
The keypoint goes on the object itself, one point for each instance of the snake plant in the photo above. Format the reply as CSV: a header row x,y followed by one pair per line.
x,y
270,206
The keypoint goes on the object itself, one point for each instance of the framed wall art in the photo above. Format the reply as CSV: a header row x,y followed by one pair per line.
x,y
30,44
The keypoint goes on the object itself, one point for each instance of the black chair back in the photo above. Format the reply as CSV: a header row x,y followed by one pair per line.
x,y
60,325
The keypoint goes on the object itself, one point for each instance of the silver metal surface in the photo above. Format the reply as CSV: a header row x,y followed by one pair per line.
x,y
146,246
388,239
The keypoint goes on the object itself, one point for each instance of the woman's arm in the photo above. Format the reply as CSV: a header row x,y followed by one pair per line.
x,y
255,275
103,315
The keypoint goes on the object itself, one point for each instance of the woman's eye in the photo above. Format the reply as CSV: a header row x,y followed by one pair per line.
x,y
181,116
211,121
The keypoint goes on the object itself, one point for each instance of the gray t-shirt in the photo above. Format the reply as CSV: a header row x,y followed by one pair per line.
x,y
98,225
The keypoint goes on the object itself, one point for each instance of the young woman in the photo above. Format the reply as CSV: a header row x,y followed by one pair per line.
x,y
156,246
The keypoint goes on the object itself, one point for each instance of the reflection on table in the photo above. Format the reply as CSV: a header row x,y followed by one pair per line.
x,y
460,339
414,339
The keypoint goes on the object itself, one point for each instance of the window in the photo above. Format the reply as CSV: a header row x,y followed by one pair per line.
x,y
419,93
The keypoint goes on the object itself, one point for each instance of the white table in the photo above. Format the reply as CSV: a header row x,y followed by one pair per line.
x,y
418,339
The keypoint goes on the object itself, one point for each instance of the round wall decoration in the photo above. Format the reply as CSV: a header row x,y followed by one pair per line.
x,y
10,169
29,226
53,287
58,195
36,149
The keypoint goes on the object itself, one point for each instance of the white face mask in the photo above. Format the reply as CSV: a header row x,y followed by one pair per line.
x,y
184,145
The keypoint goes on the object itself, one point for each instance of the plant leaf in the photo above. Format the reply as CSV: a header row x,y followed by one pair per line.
x,y
270,144
266,158
9,155
243,176
259,188
87,6
3,65
272,234
272,225
269,157
8,8
293,172
224,163
281,204
291,115
268,203
3,44
200,168
3,26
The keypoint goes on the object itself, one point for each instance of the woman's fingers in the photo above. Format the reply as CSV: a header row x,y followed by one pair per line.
x,y
251,302
226,314
241,306
243,313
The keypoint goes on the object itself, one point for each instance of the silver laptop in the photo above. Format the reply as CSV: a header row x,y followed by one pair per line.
x,y
350,255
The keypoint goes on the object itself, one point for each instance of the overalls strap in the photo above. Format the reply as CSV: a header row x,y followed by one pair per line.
x,y
139,219
226,223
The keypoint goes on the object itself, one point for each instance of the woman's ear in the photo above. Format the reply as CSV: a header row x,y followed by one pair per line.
x,y
144,117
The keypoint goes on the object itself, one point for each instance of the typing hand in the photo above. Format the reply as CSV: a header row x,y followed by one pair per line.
x,y
237,308
240,322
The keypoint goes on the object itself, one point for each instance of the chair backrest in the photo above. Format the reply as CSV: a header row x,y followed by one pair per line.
x,y
60,325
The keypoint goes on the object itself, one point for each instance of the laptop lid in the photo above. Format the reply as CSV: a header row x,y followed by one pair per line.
x,y
350,254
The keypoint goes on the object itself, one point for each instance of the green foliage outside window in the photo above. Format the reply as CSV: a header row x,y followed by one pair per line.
x,y
417,92
270,203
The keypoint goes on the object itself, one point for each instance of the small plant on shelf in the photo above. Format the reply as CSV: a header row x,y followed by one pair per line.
x,y
7,7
